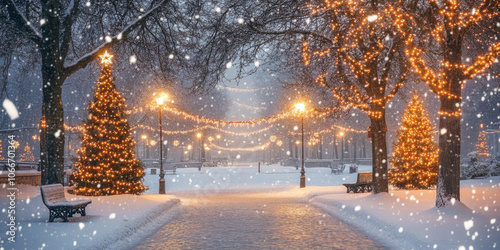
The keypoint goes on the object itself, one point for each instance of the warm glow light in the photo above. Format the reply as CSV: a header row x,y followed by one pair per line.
x,y
218,136
273,138
144,137
161,98
106,58
198,135
300,107
341,134
297,142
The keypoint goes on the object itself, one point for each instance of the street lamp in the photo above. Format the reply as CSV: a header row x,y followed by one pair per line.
x,y
301,107
202,150
272,139
146,148
190,156
341,134
159,101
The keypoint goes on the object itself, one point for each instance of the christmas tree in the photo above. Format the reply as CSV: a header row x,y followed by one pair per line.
x,y
415,156
482,146
106,162
27,155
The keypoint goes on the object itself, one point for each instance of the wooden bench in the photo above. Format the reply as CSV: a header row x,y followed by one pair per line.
x,y
59,207
339,169
363,183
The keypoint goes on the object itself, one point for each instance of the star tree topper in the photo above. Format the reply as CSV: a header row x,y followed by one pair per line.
x,y
106,58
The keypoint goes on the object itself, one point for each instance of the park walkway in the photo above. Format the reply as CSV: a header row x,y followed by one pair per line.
x,y
233,222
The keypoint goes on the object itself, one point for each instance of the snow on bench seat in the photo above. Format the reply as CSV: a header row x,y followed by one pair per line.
x,y
54,199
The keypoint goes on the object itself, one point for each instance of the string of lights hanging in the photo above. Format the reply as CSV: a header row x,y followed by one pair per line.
x,y
248,106
241,89
251,149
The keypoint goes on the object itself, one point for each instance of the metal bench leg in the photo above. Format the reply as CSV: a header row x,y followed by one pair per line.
x,y
51,215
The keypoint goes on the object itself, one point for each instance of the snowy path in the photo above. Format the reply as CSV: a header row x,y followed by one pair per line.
x,y
232,222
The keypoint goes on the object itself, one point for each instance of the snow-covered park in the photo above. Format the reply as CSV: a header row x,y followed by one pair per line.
x,y
397,98
400,219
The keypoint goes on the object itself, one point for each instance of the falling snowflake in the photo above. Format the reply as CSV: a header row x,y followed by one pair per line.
x,y
371,18
11,109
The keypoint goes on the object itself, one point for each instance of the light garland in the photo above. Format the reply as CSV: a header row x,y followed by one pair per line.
x,y
242,90
248,106
361,58
252,149
330,130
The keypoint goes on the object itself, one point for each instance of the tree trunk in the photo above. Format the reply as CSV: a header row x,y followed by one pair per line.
x,y
448,186
379,149
54,114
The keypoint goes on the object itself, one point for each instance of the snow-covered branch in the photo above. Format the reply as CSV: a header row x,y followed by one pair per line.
x,y
110,41
22,22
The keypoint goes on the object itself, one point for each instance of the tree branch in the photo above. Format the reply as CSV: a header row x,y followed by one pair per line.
x,y
428,75
483,62
91,56
67,25
21,22
292,31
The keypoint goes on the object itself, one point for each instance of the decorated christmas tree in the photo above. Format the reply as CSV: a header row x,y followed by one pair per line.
x,y
106,162
482,146
415,156
27,155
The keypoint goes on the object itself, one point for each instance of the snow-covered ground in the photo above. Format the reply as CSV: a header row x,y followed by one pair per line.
x,y
402,219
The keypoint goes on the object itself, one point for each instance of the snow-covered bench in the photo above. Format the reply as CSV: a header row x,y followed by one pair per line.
x,y
59,207
339,169
363,183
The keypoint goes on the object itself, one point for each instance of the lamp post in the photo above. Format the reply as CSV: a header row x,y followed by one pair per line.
x,y
202,149
272,139
159,101
341,134
301,107
145,150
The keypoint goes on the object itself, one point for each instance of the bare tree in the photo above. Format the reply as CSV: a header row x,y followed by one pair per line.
x,y
68,35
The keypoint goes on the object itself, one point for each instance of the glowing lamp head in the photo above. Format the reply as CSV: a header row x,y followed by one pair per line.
x,y
159,101
341,133
198,135
161,98
301,107
144,137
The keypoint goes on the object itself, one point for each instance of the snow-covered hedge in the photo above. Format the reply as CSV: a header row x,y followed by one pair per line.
x,y
475,168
